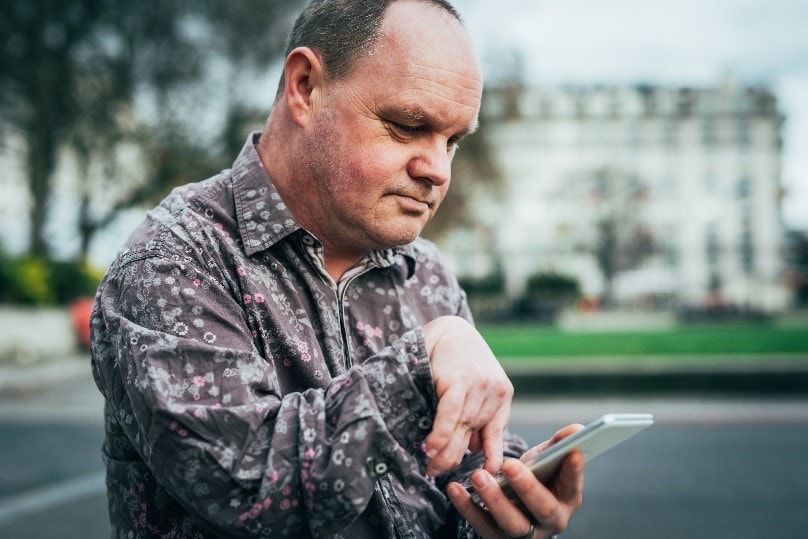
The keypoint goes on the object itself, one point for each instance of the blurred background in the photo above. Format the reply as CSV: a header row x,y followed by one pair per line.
x,y
647,155
630,224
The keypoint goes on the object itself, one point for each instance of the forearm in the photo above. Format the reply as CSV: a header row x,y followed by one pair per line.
x,y
266,462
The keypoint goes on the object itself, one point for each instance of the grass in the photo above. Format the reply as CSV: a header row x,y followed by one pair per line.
x,y
511,342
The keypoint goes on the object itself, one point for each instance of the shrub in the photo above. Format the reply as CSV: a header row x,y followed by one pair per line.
x,y
71,280
35,280
493,283
31,281
546,294
552,286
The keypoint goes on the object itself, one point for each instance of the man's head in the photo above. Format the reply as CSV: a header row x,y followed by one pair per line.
x,y
361,152
341,31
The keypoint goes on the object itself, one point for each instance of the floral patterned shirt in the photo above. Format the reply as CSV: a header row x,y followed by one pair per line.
x,y
248,395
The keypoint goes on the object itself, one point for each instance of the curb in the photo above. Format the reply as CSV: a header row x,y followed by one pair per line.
x,y
773,375
700,383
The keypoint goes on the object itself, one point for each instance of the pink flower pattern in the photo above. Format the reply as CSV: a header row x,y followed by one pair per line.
x,y
215,388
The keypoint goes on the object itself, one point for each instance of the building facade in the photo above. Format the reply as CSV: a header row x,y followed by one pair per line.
x,y
651,196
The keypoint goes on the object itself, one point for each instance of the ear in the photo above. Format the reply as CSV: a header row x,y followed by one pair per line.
x,y
303,81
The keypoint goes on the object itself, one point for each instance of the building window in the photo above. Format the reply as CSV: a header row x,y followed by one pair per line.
x,y
708,132
744,187
742,130
709,180
747,245
636,136
670,135
712,247
669,244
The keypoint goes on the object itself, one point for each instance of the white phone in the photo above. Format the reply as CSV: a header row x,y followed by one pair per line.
x,y
595,438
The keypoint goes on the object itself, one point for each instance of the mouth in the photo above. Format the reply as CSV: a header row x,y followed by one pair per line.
x,y
414,204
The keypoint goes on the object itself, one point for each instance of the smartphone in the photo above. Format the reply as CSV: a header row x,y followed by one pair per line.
x,y
595,438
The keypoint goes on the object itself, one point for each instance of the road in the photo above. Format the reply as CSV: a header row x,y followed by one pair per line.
x,y
708,468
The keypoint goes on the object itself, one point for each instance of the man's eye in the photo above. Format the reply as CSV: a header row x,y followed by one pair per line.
x,y
406,130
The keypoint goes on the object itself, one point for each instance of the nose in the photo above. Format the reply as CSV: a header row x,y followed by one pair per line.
x,y
432,163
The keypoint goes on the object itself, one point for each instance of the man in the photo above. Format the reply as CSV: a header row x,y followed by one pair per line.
x,y
280,354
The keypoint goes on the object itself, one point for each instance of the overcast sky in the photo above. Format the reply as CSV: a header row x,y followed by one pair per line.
x,y
680,42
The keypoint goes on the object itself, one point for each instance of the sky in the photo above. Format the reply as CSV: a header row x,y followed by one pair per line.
x,y
665,42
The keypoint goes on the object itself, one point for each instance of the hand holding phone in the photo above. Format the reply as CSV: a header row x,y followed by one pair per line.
x,y
595,438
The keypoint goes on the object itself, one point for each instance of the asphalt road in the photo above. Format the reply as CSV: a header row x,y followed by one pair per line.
x,y
709,468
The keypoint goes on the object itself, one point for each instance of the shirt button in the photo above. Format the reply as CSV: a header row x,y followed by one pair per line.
x,y
308,240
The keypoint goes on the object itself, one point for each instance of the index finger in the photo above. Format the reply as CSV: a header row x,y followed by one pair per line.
x,y
492,435
447,418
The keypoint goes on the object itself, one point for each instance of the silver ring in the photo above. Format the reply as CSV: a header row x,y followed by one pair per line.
x,y
528,535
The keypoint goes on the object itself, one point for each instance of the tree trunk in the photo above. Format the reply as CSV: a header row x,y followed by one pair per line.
x,y
42,132
41,160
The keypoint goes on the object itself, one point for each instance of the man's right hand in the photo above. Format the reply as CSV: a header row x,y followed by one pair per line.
x,y
474,396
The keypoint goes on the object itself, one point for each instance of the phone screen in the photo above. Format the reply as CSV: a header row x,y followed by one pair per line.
x,y
595,438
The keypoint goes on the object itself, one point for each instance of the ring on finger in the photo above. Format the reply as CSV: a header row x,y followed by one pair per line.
x,y
527,535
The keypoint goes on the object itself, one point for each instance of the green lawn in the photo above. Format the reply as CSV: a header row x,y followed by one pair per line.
x,y
526,341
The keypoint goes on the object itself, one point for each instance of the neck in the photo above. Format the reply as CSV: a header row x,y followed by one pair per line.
x,y
277,149
336,268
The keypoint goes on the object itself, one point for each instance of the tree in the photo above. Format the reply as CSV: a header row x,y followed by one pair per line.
x,y
623,242
70,71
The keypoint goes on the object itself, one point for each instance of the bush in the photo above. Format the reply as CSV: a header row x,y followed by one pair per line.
x,y
35,280
552,286
546,294
71,280
491,284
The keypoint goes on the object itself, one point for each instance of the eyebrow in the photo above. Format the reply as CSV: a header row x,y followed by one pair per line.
x,y
416,114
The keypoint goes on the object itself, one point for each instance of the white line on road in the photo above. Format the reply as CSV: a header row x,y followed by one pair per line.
x,y
16,506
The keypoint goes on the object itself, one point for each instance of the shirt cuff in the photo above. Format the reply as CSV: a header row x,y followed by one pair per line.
x,y
400,379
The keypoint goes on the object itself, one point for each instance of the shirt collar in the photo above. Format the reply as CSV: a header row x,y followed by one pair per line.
x,y
264,219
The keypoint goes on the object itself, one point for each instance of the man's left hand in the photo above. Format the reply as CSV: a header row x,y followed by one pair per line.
x,y
544,509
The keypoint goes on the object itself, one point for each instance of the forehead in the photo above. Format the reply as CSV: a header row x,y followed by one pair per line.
x,y
422,60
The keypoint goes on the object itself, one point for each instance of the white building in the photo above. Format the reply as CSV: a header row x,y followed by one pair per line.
x,y
648,195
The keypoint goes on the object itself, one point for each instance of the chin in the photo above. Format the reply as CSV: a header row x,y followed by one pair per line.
x,y
400,236
397,230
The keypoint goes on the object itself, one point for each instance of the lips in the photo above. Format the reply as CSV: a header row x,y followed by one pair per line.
x,y
428,201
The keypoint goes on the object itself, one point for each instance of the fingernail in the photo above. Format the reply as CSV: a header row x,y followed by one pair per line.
x,y
480,479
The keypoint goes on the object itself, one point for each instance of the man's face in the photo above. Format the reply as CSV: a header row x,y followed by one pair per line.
x,y
383,136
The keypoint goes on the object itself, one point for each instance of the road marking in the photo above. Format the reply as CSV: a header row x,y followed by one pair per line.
x,y
16,506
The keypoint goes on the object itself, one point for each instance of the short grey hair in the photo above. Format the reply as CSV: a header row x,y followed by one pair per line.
x,y
341,31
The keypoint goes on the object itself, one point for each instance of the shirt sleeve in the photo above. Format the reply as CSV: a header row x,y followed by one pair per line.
x,y
209,419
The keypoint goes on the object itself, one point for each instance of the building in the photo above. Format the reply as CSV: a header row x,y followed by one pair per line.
x,y
650,196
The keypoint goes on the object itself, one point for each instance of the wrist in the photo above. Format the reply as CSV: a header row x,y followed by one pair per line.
x,y
437,329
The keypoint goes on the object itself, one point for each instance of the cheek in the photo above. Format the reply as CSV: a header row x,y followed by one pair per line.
x,y
376,169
